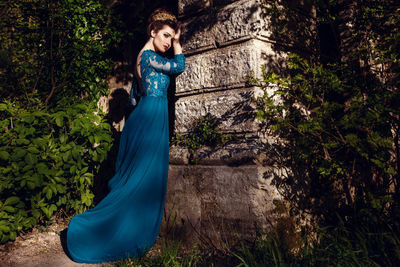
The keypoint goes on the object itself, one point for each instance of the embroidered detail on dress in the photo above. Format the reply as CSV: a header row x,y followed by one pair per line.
x,y
155,70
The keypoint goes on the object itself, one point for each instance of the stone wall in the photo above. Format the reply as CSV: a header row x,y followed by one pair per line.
x,y
227,191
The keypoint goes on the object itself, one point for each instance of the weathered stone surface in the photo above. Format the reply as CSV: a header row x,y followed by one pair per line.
x,y
222,26
225,191
245,150
224,68
218,202
196,34
238,20
222,2
234,109
192,6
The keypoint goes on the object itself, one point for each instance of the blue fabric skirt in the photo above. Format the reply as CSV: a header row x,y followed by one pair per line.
x,y
127,221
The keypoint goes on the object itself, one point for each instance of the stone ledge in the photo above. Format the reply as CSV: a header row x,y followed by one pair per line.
x,y
246,151
212,90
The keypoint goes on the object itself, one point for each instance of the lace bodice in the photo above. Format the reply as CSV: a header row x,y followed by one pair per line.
x,y
155,70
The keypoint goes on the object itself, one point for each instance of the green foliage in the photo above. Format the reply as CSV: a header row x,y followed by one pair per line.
x,y
364,245
53,49
203,132
170,256
338,117
48,161
54,61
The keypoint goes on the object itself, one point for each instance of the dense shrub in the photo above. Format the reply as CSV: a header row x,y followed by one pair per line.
x,y
48,160
55,57
55,49
336,112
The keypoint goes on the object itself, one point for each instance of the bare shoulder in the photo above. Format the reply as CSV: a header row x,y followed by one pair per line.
x,y
138,63
140,55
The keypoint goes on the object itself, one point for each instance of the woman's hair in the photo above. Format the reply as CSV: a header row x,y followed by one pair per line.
x,y
160,17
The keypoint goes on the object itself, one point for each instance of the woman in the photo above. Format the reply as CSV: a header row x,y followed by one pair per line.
x,y
127,221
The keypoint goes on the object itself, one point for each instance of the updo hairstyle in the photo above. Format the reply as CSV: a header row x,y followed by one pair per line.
x,y
160,17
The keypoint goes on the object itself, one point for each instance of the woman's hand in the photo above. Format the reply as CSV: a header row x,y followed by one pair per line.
x,y
178,33
175,42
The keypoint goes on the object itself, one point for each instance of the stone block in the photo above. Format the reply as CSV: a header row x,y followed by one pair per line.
x,y
225,67
182,211
217,202
234,109
220,26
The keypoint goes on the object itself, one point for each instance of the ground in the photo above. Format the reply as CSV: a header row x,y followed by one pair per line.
x,y
39,247
42,247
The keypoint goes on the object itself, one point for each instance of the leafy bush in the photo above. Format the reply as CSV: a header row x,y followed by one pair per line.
x,y
55,49
48,160
336,112
338,141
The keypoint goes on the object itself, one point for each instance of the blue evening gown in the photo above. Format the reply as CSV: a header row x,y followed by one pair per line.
x,y
127,221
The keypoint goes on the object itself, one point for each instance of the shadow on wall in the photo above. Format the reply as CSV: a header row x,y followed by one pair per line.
x,y
119,108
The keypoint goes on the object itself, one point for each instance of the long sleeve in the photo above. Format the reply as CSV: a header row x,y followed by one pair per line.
x,y
165,65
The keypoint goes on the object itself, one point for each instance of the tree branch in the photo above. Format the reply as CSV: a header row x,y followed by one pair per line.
x,y
53,86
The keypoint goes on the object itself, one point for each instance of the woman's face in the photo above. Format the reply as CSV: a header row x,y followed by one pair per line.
x,y
162,39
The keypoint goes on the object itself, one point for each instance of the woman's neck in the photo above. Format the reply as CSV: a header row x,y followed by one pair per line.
x,y
149,45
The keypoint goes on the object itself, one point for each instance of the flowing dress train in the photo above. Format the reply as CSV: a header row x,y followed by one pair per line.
x,y
126,222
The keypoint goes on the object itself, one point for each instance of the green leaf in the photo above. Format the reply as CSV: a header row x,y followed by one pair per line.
x,y
75,153
13,235
33,150
36,213
60,179
22,141
9,209
4,228
42,168
31,159
49,193
12,200
52,209
31,185
18,153
4,155
72,170
27,168
67,156
59,121
3,107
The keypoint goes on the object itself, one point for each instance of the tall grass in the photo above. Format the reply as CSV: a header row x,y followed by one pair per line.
x,y
170,255
346,245
342,245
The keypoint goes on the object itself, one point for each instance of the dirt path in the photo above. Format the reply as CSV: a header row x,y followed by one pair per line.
x,y
39,248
